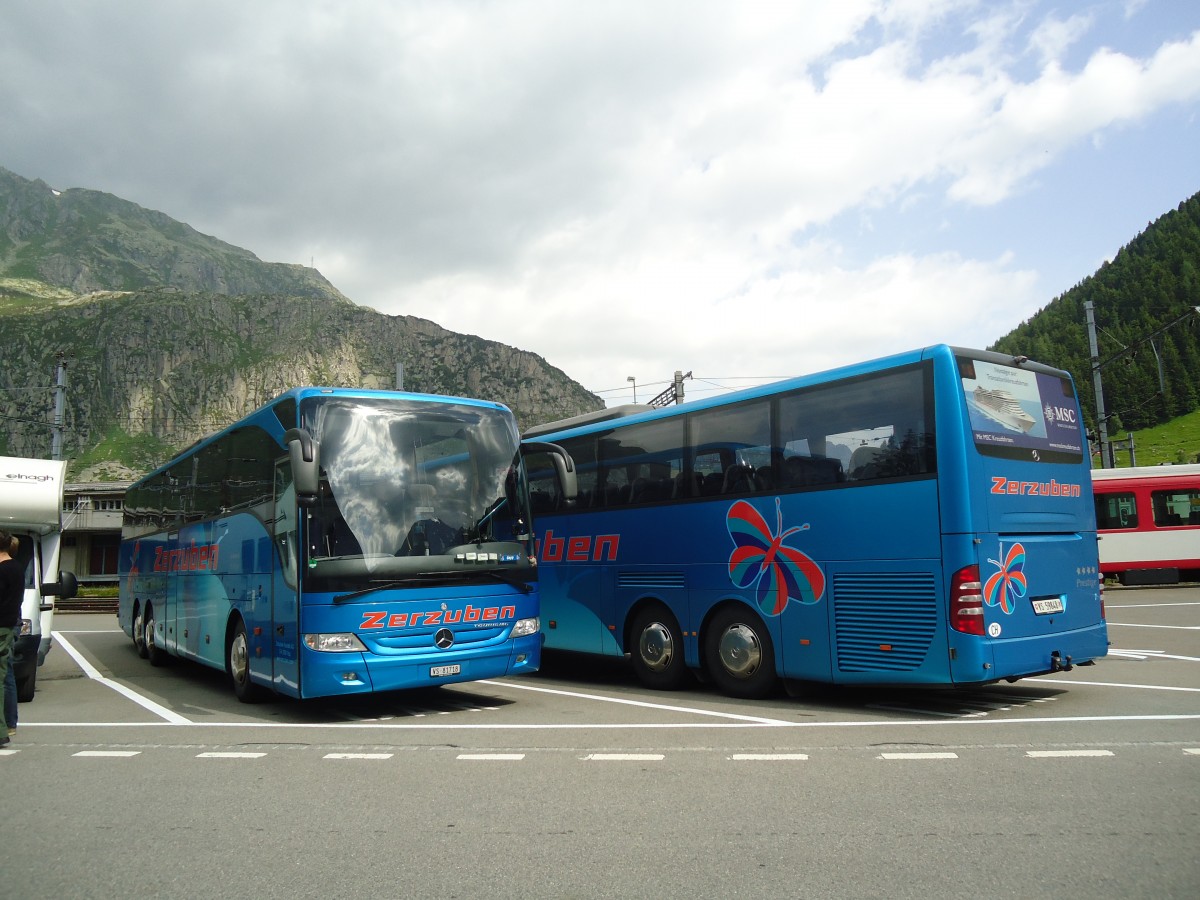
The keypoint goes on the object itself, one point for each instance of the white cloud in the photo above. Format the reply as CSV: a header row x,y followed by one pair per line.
x,y
1054,36
625,188
1037,121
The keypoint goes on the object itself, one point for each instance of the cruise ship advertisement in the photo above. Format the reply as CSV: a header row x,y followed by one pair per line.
x,y
1022,414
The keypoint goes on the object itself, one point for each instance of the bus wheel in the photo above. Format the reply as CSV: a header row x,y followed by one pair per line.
x,y
739,653
154,653
139,633
657,645
238,664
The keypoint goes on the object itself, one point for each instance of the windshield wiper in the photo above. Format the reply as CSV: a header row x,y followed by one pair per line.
x,y
388,585
475,535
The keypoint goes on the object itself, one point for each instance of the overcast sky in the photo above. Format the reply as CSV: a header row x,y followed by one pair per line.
x,y
743,190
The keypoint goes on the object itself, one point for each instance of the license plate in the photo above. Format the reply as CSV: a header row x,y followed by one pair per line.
x,y
1047,605
440,671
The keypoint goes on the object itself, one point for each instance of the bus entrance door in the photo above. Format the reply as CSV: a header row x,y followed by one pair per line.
x,y
285,607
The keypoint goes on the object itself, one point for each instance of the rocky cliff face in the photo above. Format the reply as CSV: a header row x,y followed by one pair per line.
x,y
150,372
169,335
90,241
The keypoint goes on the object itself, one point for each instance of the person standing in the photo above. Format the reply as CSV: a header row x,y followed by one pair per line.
x,y
12,590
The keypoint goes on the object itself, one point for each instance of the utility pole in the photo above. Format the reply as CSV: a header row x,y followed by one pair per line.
x,y
1106,457
1107,460
673,394
60,391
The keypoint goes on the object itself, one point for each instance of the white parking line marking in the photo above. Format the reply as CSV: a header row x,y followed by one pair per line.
x,y
358,755
625,757
107,753
215,755
923,712
1052,754
1154,654
918,756
760,720
1195,751
769,757
1046,679
671,726
1168,627
499,757
93,673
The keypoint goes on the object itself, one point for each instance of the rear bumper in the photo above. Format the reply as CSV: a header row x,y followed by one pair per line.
x,y
1045,654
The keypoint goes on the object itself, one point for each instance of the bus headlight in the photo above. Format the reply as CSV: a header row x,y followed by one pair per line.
x,y
523,627
343,642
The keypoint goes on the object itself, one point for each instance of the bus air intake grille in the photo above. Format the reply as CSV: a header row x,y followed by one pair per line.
x,y
660,580
884,622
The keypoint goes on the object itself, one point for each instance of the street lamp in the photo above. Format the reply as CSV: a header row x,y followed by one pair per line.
x,y
634,380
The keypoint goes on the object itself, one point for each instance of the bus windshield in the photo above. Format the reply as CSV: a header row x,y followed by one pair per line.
x,y
410,489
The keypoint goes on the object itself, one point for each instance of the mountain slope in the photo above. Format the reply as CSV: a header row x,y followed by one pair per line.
x,y
1152,281
88,241
168,335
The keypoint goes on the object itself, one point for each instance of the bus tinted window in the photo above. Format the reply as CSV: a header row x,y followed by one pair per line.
x,y
877,427
640,463
1115,511
732,444
583,451
1021,413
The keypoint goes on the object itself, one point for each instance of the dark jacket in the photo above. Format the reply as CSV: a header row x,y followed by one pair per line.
x,y
12,591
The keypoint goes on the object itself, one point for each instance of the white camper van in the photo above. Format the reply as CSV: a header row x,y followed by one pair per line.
x,y
31,498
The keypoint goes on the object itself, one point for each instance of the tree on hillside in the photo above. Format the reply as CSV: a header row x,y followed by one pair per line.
x,y
1152,280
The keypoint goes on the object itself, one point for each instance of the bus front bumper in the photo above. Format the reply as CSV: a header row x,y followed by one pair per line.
x,y
333,674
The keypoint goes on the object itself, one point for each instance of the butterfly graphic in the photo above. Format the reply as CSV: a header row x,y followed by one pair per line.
x,y
760,557
1007,584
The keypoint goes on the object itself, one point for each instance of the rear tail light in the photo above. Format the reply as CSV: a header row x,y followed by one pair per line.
x,y
966,601
1103,617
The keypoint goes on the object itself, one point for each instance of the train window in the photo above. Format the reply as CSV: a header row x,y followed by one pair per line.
x,y
1114,511
1175,507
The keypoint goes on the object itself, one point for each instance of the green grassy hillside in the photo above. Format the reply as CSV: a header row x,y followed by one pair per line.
x,y
1176,441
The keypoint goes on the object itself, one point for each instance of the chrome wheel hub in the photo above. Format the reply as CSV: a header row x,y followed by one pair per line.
x,y
656,647
740,651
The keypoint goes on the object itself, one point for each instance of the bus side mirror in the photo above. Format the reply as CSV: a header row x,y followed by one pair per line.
x,y
303,452
65,588
564,467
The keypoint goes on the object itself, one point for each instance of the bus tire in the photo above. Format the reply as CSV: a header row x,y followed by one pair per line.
x,y
739,654
156,654
237,664
656,646
26,686
139,632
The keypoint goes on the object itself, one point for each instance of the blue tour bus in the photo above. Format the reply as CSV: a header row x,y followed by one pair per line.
x,y
340,541
924,519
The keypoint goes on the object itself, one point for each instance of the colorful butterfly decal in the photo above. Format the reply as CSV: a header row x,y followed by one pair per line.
x,y
760,557
1008,583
